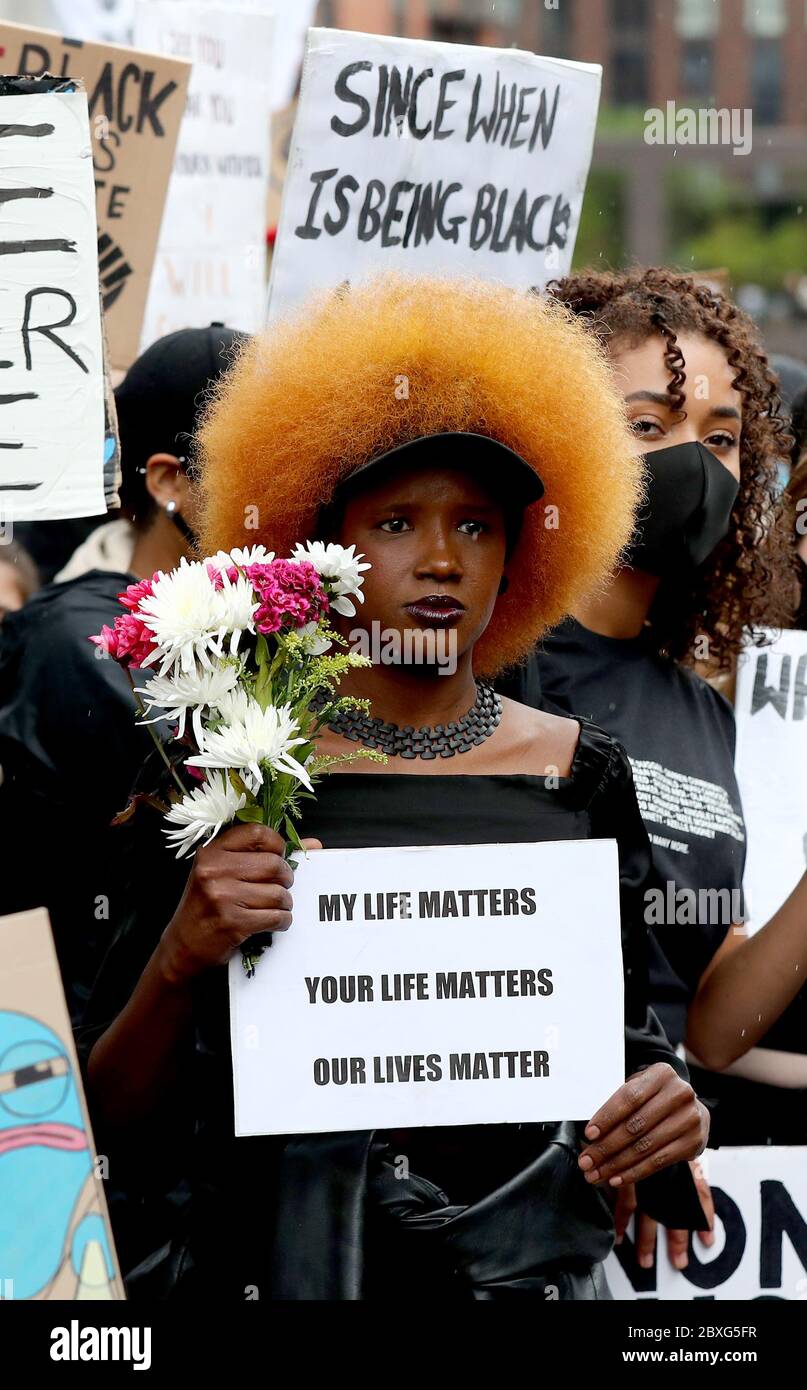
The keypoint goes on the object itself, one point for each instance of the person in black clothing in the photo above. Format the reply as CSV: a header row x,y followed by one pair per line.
x,y
708,563
19,578
440,489
69,745
797,493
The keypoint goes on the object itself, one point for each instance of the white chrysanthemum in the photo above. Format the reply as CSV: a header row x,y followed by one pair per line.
x,y
242,556
184,612
181,691
201,814
252,736
238,606
340,570
313,643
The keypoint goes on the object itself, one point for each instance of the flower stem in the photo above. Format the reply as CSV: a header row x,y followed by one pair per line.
x,y
156,740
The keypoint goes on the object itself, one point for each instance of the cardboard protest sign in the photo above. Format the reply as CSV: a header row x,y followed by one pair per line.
x,y
450,986
211,261
52,409
760,1250
135,101
771,761
55,1239
428,157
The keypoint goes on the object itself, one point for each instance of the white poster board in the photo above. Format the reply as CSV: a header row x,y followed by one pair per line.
x,y
760,1249
52,392
211,259
291,22
432,158
771,759
435,986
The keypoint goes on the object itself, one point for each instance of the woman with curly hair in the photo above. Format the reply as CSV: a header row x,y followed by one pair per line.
x,y
708,565
797,496
434,425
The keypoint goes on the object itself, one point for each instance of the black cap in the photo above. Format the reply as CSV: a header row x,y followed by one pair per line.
x,y
163,391
159,400
493,462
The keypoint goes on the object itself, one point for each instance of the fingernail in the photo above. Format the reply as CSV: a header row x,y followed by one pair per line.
x,y
645,1261
618,1240
681,1261
586,1161
592,1132
615,1182
593,1176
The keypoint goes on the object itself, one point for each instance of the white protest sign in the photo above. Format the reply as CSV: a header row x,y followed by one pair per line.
x,y
211,258
52,403
439,986
291,23
760,1248
432,158
771,760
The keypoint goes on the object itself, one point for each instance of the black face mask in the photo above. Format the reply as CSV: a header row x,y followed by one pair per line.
x,y
690,495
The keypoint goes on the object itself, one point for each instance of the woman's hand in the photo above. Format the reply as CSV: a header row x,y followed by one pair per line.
x,y
239,885
654,1120
645,1231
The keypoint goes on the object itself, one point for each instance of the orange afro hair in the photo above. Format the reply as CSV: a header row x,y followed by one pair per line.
x,y
358,372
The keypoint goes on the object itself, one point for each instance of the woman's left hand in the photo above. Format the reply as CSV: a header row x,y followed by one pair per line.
x,y
654,1120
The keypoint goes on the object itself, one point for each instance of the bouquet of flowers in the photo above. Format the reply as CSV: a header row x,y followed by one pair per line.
x,y
242,645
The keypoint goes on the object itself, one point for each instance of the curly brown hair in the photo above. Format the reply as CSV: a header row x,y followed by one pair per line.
x,y
747,583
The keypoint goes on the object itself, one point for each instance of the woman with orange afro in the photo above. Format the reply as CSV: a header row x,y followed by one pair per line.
x,y
445,429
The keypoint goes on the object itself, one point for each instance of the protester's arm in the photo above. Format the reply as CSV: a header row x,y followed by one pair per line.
x,y
238,886
749,983
655,1120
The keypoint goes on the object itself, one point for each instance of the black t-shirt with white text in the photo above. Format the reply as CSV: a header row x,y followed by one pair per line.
x,y
679,735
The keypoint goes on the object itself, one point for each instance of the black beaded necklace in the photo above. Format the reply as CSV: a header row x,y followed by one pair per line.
x,y
443,741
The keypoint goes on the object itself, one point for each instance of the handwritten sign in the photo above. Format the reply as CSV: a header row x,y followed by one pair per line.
x,y
55,1239
135,104
461,985
771,760
52,421
211,262
429,157
760,1248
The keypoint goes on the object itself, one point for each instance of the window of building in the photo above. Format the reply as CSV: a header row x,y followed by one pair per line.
x,y
629,78
697,19
630,14
698,68
766,19
557,28
454,29
767,81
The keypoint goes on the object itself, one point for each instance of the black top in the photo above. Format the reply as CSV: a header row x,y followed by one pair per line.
x,y
800,620
679,734
69,750
320,1216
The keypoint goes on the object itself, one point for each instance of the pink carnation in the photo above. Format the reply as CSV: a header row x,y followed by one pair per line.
x,y
129,642
216,574
290,593
135,593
